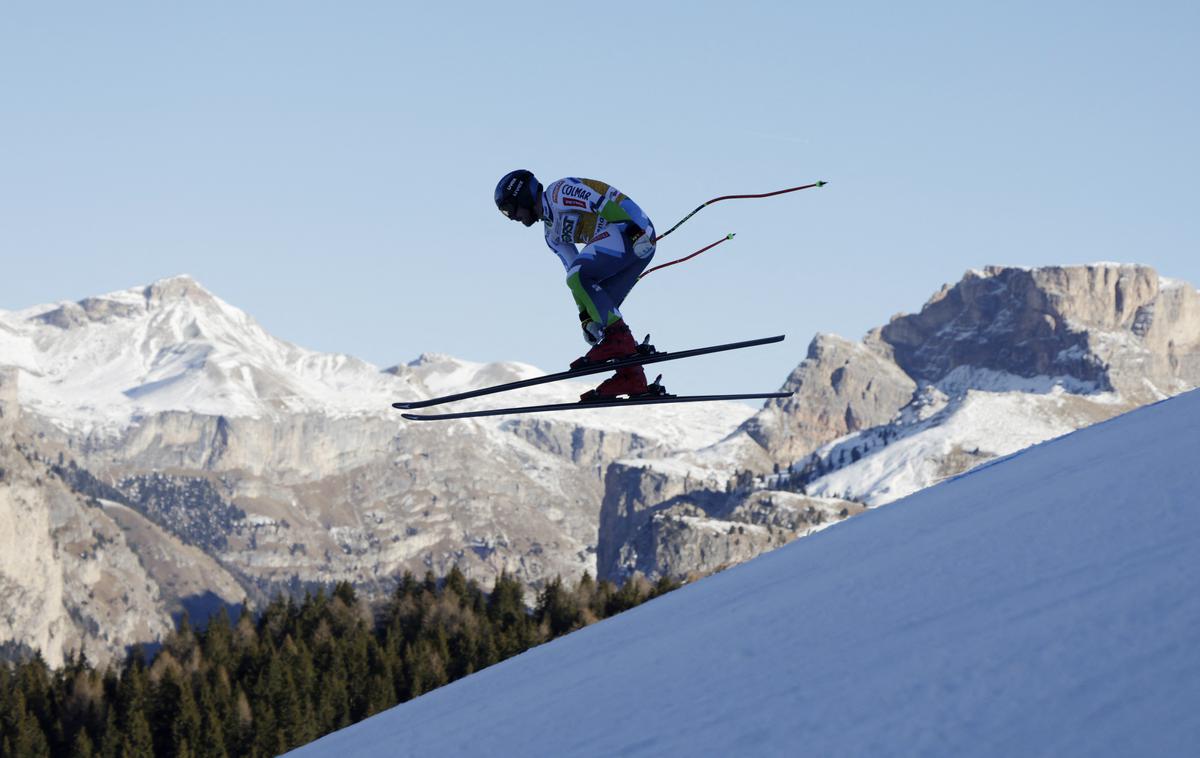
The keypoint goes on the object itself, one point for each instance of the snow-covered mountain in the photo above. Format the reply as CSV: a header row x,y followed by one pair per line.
x,y
172,346
193,429
1041,605
1003,359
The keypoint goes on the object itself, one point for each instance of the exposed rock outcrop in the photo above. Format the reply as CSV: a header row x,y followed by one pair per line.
x,y
1110,326
10,409
1005,358
314,499
663,525
841,387
69,580
82,574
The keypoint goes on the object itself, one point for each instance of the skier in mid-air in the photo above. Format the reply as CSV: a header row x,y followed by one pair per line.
x,y
618,241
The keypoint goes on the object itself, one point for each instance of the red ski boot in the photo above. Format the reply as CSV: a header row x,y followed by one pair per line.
x,y
618,342
629,380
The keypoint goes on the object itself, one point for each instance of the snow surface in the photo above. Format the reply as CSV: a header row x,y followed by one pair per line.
x,y
987,423
1042,604
960,379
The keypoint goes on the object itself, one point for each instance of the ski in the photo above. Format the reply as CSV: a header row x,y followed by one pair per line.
x,y
586,404
650,356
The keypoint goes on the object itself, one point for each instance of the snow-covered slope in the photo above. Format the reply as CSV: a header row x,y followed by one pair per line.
x,y
1043,604
938,439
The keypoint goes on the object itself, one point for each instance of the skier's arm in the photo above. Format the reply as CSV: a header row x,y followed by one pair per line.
x,y
613,211
566,252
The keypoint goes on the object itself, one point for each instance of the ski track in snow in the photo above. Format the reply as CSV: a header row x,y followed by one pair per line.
x,y
1043,604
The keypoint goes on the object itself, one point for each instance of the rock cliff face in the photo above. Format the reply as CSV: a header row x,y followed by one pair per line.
x,y
69,580
657,524
306,499
1005,358
1113,327
10,409
841,387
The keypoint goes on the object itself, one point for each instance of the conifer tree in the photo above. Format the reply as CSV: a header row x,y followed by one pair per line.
x,y
345,592
211,743
557,611
110,744
429,583
27,735
664,585
218,639
456,582
243,735
506,609
139,742
82,747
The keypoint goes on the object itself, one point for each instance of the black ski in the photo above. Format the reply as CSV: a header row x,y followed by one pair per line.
x,y
596,368
584,405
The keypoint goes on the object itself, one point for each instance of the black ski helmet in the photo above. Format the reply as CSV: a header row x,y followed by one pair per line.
x,y
517,189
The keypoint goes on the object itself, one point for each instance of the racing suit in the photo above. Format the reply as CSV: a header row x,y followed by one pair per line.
x,y
618,241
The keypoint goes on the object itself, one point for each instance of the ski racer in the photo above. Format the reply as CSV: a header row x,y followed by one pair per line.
x,y
618,241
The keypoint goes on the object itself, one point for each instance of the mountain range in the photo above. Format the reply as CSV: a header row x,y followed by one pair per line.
x,y
173,421
163,453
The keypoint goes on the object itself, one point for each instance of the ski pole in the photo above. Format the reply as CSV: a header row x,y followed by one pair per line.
x,y
735,197
726,238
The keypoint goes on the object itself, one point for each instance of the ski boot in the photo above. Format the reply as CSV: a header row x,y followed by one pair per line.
x,y
630,381
617,342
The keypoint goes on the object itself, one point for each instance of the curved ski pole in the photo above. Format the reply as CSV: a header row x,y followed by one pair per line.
x,y
704,205
726,238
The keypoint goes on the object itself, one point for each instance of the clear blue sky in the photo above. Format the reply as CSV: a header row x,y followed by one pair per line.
x,y
329,167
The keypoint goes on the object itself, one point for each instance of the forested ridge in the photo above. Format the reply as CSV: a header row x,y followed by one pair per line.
x,y
299,669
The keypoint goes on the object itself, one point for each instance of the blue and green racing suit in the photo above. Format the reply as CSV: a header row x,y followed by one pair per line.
x,y
618,241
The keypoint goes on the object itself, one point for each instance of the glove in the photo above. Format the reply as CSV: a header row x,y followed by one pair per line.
x,y
592,332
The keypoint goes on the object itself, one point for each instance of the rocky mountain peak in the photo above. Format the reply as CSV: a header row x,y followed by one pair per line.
x,y
1080,323
1003,359
176,288
433,359
171,294
839,388
1087,328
